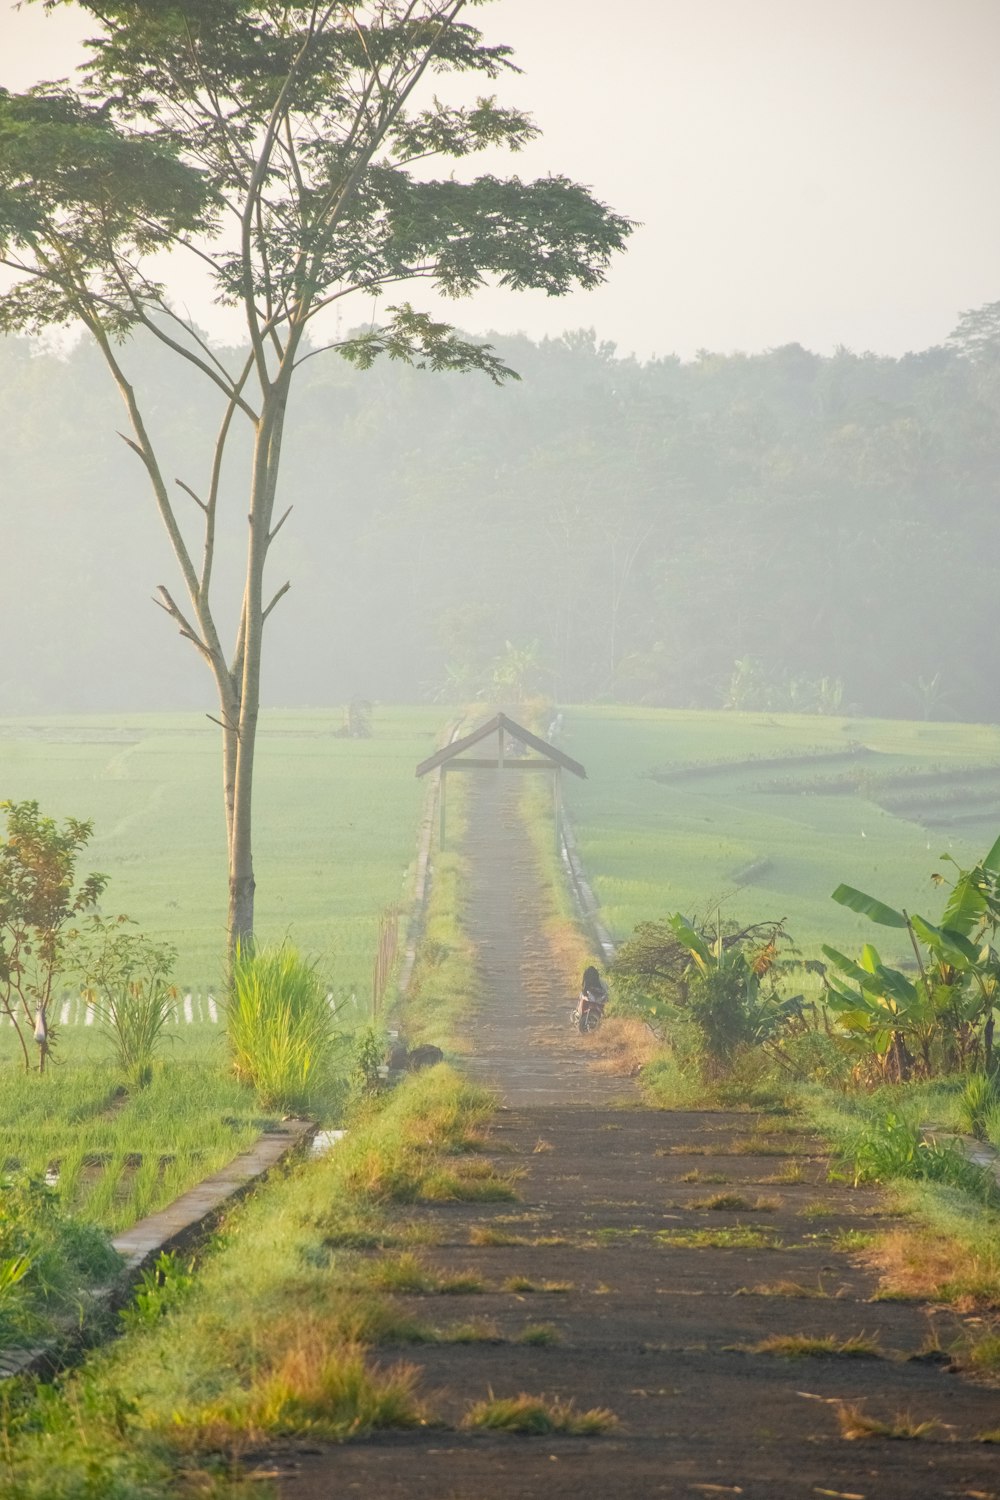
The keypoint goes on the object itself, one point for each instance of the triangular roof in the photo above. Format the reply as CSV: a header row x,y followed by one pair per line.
x,y
518,731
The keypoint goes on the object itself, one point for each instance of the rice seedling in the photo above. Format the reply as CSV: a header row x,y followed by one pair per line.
x,y
534,1416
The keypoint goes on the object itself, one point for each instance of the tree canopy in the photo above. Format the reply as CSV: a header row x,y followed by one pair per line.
x,y
286,148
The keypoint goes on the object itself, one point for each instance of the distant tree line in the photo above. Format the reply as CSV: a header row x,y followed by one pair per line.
x,y
769,531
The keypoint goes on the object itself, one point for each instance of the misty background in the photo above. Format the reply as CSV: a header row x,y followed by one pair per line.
x,y
810,530
780,530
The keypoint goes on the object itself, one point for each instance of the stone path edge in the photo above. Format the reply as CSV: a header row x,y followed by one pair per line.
x,y
180,1223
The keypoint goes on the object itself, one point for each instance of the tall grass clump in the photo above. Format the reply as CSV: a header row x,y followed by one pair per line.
x,y
893,1147
281,1027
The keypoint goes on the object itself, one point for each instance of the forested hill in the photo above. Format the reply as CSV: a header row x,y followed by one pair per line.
x,y
771,530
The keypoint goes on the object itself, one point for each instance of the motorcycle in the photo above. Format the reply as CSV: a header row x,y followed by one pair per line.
x,y
589,1012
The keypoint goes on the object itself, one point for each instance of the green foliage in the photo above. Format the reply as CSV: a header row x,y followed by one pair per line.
x,y
280,1025
726,983
163,1288
38,898
48,1259
369,1051
979,1101
945,1013
126,976
893,1146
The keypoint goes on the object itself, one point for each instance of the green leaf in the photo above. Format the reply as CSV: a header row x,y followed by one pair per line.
x,y
692,940
945,943
966,904
868,906
870,958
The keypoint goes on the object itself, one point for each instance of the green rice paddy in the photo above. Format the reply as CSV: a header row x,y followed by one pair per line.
x,y
336,825
767,814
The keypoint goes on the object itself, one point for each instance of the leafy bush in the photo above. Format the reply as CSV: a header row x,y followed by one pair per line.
x,y
724,982
281,1026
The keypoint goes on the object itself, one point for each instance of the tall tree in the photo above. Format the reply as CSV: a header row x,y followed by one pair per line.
x,y
284,147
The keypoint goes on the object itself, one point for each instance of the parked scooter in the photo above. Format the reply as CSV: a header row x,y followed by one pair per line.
x,y
589,1011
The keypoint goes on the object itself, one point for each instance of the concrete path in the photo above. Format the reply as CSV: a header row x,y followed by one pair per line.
x,y
656,1251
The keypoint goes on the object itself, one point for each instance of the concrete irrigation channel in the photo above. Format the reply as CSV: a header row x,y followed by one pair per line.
x,y
657,1249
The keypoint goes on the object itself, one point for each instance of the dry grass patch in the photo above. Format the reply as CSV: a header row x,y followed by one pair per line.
x,y
407,1274
686,1151
473,1331
804,1346
329,1392
534,1416
705,1177
526,1285
927,1265
539,1334
488,1234
756,1145
785,1289
856,1424
791,1172
736,1237
626,1045
736,1203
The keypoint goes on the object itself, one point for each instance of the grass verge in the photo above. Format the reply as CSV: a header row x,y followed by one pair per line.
x,y
271,1338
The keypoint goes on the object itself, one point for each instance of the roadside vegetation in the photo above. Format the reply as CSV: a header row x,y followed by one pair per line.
x,y
282,1328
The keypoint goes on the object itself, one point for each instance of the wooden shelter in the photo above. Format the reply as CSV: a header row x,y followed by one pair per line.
x,y
514,745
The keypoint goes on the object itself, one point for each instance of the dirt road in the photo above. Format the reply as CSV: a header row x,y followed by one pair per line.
x,y
657,1250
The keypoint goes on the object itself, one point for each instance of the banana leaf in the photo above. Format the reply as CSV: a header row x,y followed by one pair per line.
x,y
691,940
868,906
954,947
966,904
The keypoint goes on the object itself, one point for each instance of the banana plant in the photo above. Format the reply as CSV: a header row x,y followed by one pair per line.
x,y
950,1002
731,993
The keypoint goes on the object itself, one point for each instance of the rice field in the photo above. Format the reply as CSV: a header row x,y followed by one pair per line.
x,y
336,835
335,827
764,815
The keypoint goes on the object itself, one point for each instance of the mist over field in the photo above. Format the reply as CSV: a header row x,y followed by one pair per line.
x,y
773,531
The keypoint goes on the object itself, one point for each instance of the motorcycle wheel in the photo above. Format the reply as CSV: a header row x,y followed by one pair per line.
x,y
589,1021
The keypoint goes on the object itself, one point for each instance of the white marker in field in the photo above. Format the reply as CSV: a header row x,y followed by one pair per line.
x,y
213,1010
188,1009
64,1014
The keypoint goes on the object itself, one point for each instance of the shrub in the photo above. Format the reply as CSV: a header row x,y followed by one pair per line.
x,y
281,1026
127,980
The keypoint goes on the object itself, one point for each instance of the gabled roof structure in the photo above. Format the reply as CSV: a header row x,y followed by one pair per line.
x,y
499,725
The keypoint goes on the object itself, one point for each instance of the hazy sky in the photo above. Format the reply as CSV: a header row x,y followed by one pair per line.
x,y
820,171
